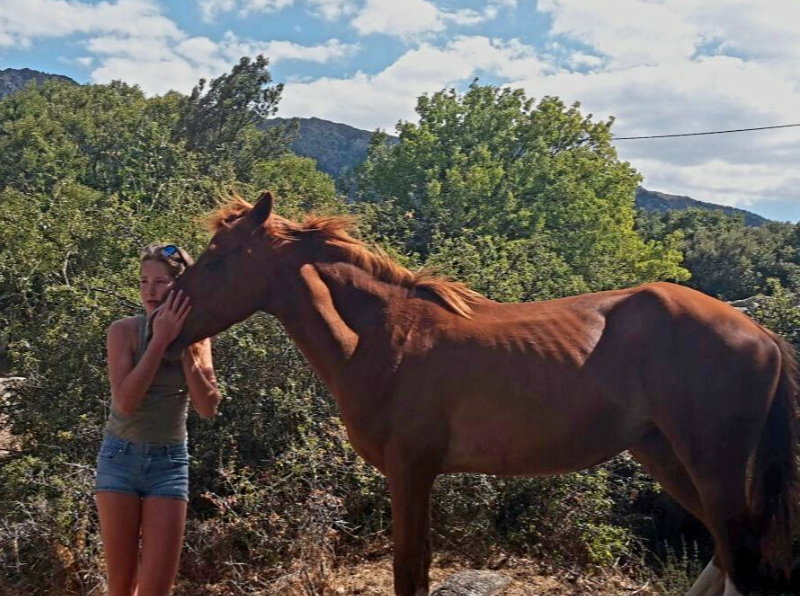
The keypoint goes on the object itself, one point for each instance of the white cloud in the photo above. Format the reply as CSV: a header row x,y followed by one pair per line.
x,y
202,50
469,17
398,17
630,32
158,66
712,94
768,30
286,50
211,8
22,21
131,40
333,9
378,101
581,60
412,18
634,32
249,6
745,186
327,9
401,18
685,66
154,77
142,48
278,50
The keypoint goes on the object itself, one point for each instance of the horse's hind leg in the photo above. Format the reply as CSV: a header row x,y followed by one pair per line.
x,y
655,454
719,466
729,521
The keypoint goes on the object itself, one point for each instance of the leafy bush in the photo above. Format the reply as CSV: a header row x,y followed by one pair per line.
x,y
779,312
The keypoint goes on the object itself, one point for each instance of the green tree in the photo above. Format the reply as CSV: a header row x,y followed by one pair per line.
x,y
221,122
506,270
299,186
106,137
725,257
492,162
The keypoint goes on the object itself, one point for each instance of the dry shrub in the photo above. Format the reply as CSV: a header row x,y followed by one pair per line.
x,y
49,522
267,537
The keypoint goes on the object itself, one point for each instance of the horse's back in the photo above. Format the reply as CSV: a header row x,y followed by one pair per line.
x,y
512,386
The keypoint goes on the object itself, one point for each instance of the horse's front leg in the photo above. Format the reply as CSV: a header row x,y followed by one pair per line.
x,y
410,488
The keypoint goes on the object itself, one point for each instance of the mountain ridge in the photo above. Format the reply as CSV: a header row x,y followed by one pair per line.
x,y
652,200
346,148
16,79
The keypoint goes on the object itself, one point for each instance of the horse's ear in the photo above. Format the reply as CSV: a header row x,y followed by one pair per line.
x,y
262,209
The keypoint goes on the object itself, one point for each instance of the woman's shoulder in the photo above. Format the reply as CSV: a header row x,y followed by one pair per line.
x,y
127,327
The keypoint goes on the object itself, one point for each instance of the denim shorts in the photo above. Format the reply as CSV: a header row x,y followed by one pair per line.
x,y
143,469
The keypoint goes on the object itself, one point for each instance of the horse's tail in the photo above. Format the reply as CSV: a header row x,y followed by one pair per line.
x,y
776,478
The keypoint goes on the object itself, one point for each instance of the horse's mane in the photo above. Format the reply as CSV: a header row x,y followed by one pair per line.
x,y
334,231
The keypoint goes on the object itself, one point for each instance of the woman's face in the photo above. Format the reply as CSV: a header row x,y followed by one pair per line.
x,y
155,282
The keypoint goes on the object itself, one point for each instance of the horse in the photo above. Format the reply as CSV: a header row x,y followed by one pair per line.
x,y
431,377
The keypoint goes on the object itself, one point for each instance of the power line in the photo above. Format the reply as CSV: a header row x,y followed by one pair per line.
x,y
713,132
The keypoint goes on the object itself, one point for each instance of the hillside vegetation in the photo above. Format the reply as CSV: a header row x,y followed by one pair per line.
x,y
523,200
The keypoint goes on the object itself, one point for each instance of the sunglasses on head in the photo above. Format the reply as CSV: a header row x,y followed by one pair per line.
x,y
171,251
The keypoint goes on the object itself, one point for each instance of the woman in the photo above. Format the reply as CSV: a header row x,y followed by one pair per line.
x,y
142,479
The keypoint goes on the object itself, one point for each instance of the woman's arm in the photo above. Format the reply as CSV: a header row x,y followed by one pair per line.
x,y
129,383
198,369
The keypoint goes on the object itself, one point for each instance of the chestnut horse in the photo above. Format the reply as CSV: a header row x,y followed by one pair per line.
x,y
431,378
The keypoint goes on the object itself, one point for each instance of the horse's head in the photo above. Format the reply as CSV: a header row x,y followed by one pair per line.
x,y
230,279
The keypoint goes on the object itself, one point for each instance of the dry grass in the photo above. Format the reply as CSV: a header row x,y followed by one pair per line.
x,y
374,578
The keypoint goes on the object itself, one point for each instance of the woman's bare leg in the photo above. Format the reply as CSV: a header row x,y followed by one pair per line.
x,y
163,522
120,517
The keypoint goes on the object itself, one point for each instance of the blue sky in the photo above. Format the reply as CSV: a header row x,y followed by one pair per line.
x,y
658,66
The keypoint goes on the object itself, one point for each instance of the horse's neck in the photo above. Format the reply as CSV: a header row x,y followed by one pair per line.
x,y
331,308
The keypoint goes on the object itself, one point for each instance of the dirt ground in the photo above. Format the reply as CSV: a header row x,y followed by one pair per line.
x,y
374,578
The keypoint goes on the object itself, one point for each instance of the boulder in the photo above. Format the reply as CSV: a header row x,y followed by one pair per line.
x,y
473,583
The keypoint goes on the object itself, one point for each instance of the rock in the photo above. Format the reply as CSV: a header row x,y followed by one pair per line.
x,y
472,583
747,304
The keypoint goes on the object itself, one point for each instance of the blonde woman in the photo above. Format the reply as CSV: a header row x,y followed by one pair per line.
x,y
142,481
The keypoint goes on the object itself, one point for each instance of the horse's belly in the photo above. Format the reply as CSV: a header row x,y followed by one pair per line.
x,y
521,439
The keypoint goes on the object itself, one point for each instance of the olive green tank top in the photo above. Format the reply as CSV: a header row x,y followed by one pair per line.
x,y
161,416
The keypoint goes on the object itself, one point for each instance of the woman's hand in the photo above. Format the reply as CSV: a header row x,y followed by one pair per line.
x,y
169,320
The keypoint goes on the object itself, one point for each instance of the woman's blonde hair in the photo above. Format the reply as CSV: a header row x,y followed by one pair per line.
x,y
174,257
